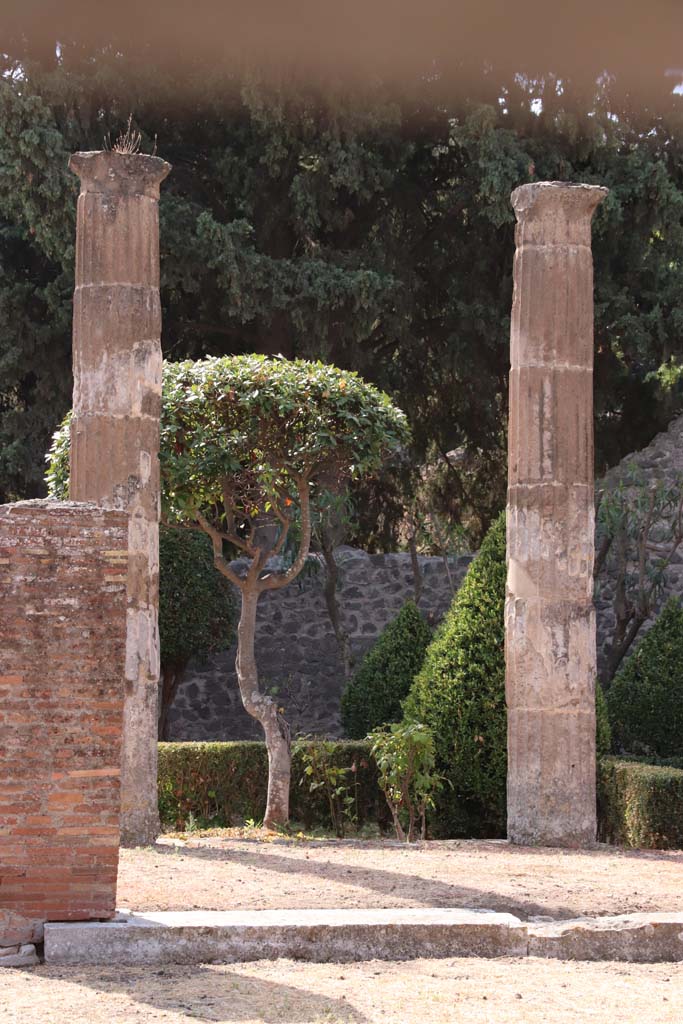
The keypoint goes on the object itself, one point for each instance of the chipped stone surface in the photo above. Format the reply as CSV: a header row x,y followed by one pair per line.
x,y
549,617
21,956
638,938
115,425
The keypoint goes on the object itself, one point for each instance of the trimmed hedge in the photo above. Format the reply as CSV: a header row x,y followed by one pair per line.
x,y
222,784
375,694
640,804
645,698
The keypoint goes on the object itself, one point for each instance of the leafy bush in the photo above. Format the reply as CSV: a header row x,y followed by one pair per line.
x,y
460,695
645,700
322,773
197,607
404,753
375,694
225,784
640,805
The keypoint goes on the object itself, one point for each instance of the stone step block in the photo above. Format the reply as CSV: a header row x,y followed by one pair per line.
x,y
314,935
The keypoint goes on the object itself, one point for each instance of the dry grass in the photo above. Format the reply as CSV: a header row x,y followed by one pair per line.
x,y
215,873
425,991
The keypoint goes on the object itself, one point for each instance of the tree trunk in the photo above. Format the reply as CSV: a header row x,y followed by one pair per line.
x,y
265,710
333,609
170,678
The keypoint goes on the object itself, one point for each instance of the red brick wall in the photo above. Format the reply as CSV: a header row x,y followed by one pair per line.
x,y
62,647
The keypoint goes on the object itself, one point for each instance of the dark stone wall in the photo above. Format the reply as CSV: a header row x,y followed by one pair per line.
x,y
297,652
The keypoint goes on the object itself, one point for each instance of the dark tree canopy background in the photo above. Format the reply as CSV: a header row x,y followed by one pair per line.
x,y
365,225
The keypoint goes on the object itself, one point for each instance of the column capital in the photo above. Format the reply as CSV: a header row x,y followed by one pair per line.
x,y
555,212
119,174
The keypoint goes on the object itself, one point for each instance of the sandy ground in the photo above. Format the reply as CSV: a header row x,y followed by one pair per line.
x,y
218,874
421,991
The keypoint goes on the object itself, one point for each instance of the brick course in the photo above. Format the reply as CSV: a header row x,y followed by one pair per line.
x,y
62,651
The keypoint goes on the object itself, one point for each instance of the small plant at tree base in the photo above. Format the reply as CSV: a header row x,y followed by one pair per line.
x,y
375,694
407,775
321,773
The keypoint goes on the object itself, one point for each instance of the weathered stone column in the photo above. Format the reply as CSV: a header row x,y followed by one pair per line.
x,y
115,425
549,615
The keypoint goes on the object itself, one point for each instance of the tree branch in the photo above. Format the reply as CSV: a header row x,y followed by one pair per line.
x,y
274,582
218,559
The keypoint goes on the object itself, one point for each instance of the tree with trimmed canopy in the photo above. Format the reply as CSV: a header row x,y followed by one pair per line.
x,y
250,446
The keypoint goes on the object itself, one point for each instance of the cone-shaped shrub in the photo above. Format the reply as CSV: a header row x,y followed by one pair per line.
x,y
460,694
645,700
375,694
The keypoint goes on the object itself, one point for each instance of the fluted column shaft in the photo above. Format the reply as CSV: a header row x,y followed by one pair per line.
x,y
549,616
115,425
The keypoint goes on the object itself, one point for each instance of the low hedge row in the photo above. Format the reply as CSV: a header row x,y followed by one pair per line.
x,y
225,784
640,804
218,784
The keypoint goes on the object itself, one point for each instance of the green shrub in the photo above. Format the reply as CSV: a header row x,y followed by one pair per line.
x,y
322,773
197,608
460,695
375,694
603,730
225,784
404,752
645,700
639,804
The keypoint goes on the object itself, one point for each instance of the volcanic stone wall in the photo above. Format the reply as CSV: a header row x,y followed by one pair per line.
x,y
62,649
297,653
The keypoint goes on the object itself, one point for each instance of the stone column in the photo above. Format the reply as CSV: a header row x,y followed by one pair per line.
x,y
115,425
549,616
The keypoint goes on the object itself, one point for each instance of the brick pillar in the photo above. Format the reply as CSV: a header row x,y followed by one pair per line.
x,y
62,650
115,425
549,615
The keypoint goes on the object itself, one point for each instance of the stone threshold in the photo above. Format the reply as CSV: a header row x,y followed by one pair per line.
x,y
203,936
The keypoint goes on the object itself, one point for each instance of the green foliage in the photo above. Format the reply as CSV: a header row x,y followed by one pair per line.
x,y
375,694
640,805
404,753
603,730
197,610
460,695
217,784
645,699
256,427
225,784
370,228
322,774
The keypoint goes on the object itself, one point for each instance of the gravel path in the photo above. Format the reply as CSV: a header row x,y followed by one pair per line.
x,y
218,874
418,992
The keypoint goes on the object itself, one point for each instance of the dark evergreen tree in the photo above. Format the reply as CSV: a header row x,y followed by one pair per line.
x,y
371,228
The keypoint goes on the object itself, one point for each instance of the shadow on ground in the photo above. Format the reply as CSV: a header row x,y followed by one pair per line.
x,y
202,993
423,891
